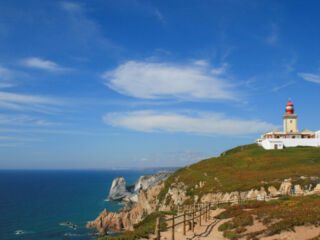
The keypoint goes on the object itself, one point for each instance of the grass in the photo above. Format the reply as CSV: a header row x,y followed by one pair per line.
x,y
142,229
247,167
277,216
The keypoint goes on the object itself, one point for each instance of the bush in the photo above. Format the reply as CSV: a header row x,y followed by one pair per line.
x,y
231,235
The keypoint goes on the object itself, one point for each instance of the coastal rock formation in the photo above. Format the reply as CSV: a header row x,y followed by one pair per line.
x,y
147,202
118,189
145,182
126,218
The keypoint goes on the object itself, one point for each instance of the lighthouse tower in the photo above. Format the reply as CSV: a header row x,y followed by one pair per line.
x,y
290,119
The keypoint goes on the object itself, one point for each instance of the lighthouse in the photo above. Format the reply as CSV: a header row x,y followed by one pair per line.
x,y
290,136
290,119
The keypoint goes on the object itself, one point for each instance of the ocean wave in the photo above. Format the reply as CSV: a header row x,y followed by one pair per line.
x,y
69,225
22,232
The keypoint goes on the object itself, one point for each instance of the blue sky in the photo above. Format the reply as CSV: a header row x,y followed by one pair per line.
x,y
132,83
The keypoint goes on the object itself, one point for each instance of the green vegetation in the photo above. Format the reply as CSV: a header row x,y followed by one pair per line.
x,y
247,167
142,229
277,215
241,169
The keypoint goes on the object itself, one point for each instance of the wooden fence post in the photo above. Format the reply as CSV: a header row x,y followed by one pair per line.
x,y
200,215
207,212
193,220
157,231
184,223
172,238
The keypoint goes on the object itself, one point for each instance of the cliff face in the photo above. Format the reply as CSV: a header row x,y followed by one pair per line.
x,y
246,172
119,190
126,218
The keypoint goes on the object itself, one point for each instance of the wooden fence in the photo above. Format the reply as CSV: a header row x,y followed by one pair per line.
x,y
188,215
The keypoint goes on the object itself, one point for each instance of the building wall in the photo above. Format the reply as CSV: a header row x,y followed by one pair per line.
x,y
290,125
275,143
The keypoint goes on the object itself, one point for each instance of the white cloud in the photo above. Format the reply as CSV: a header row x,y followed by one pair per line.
x,y
310,77
204,123
43,64
166,81
23,102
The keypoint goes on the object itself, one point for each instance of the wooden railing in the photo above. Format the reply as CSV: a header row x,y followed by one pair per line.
x,y
191,213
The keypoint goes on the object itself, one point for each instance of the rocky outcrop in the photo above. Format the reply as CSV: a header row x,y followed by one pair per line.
x,y
143,195
273,192
118,189
146,182
285,187
317,189
146,200
126,218
298,190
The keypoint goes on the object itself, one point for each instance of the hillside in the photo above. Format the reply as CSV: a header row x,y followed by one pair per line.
x,y
247,167
235,173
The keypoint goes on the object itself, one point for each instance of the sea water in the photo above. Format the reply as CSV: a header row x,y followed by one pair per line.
x,y
43,204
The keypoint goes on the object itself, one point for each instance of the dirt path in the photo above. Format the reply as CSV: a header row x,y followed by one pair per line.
x,y
200,232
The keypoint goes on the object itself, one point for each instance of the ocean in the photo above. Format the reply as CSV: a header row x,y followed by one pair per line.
x,y
43,204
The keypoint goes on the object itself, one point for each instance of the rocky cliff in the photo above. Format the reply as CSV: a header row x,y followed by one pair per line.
x,y
121,191
126,218
246,172
118,189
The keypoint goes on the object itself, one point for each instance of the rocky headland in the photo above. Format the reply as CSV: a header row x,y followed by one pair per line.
x,y
240,174
142,197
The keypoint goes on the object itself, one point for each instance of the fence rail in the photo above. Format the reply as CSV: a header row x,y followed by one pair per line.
x,y
192,213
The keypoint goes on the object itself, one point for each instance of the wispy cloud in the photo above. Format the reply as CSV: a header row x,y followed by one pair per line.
x,y
93,36
6,77
206,123
310,77
43,64
162,80
283,86
159,16
71,7
24,102
5,73
17,119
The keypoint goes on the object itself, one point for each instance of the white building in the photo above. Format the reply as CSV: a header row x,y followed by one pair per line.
x,y
290,136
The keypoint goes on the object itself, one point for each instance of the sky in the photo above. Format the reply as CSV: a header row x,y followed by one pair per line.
x,y
134,83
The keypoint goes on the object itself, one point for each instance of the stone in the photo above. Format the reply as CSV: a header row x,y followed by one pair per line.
x,y
273,192
262,194
118,190
285,187
145,182
317,189
298,190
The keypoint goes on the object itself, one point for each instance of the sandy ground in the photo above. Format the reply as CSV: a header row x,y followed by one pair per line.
x,y
209,230
300,233
197,230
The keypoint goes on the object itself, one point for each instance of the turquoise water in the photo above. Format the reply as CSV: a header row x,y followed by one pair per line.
x,y
37,202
